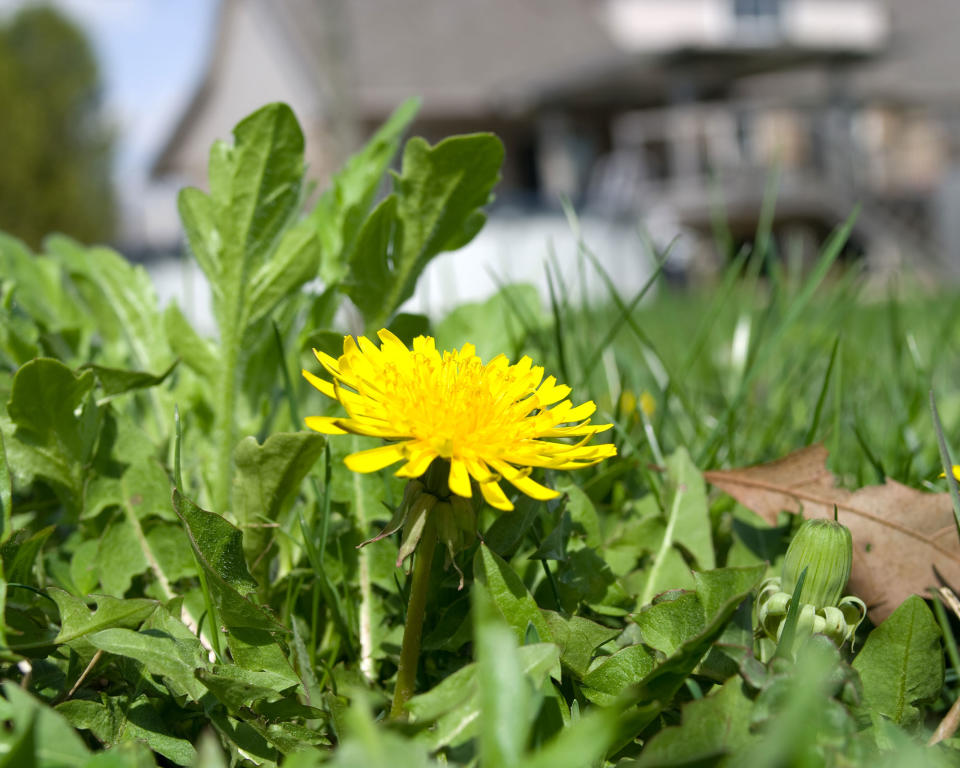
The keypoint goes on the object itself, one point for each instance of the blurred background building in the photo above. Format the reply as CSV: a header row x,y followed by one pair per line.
x,y
665,115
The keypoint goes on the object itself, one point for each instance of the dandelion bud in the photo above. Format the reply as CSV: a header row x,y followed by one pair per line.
x,y
825,549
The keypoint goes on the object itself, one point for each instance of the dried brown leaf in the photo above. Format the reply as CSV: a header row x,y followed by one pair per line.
x,y
904,540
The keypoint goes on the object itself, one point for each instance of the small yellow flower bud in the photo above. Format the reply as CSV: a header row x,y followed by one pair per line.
x,y
825,549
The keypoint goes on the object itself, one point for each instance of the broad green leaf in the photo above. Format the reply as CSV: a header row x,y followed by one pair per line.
x,y
257,650
578,639
687,524
712,727
37,286
120,557
667,624
496,326
341,210
692,528
122,297
582,512
116,381
114,720
719,593
19,338
218,547
45,396
267,478
19,554
295,262
238,688
434,208
196,352
161,655
76,620
605,682
55,743
509,528
901,664
585,578
255,191
508,593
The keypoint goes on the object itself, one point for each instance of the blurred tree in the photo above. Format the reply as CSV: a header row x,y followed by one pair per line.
x,y
55,151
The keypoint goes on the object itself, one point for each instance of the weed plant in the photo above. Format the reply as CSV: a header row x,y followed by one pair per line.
x,y
181,583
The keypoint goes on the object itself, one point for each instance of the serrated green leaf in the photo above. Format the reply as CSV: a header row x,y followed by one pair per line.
x,y
161,655
116,381
258,651
294,263
341,209
238,688
605,682
719,592
196,352
115,721
76,620
434,208
19,553
668,624
255,188
43,402
578,638
508,593
37,286
117,571
122,297
901,664
267,478
218,547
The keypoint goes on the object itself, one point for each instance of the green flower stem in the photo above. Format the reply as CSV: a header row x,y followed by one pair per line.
x,y
410,650
224,428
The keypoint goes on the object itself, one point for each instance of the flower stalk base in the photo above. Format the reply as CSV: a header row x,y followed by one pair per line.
x,y
416,609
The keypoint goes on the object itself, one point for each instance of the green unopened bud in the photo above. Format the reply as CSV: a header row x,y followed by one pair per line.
x,y
825,549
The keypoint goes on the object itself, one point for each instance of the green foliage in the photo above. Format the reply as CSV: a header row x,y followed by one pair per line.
x,y
190,592
56,153
901,664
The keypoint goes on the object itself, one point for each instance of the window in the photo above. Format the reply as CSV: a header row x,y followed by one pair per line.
x,y
765,10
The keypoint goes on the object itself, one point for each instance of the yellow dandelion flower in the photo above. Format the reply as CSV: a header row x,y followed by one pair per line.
x,y
490,421
647,404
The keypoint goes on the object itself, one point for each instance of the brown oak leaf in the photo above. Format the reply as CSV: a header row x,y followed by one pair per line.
x,y
904,540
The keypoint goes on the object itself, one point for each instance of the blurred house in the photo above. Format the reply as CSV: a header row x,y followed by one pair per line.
x,y
664,111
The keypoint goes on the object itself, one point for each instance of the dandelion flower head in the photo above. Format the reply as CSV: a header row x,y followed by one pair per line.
x,y
490,421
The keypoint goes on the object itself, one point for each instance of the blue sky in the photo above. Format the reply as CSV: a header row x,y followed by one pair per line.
x,y
152,55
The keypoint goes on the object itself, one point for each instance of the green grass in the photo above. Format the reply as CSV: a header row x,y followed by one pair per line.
x,y
141,628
